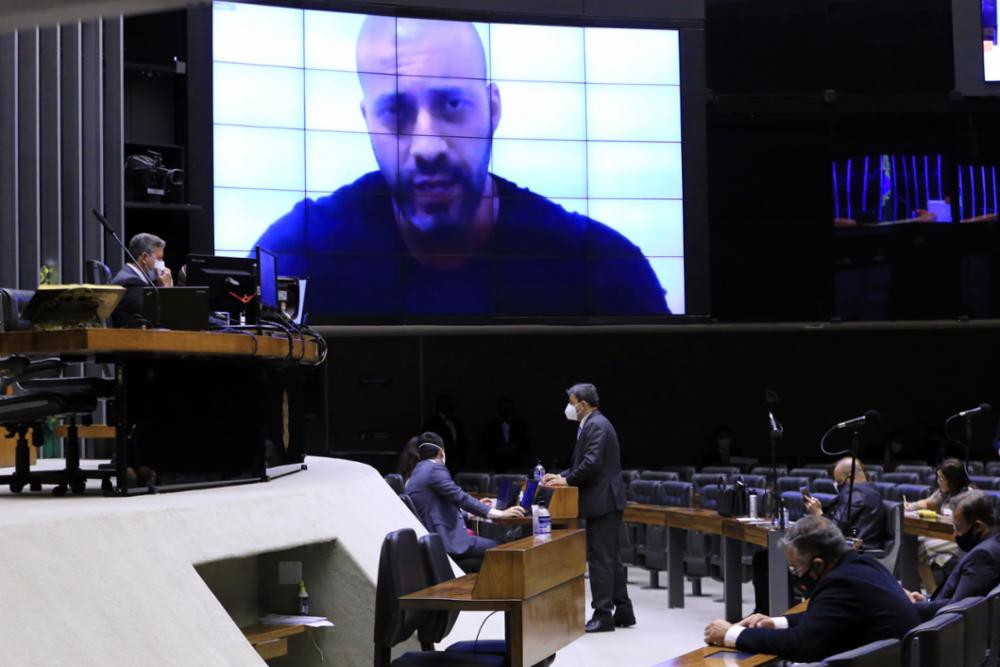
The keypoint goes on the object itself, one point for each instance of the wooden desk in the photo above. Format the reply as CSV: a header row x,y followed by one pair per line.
x,y
196,407
564,506
537,583
716,656
271,641
914,528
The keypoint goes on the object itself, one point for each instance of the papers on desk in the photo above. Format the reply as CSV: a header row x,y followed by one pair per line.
x,y
308,621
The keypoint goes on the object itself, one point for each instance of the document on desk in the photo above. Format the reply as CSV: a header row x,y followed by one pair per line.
x,y
308,621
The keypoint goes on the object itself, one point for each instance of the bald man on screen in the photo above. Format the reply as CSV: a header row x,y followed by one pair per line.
x,y
433,231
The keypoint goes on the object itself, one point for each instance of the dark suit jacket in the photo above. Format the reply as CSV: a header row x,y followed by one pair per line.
x,y
128,312
976,574
858,602
867,513
505,454
439,502
597,468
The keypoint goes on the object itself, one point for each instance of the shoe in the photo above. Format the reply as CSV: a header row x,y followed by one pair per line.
x,y
600,622
624,617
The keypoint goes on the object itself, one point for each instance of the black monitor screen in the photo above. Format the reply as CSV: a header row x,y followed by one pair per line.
x,y
267,266
231,283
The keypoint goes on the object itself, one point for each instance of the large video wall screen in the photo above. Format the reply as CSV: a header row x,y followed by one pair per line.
x,y
415,167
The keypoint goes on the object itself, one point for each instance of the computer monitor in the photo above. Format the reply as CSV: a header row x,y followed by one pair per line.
x,y
267,268
528,497
232,284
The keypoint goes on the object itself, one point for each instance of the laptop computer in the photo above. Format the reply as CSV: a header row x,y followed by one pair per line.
x,y
181,308
506,494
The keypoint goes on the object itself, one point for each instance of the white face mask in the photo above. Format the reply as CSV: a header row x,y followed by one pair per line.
x,y
570,412
159,266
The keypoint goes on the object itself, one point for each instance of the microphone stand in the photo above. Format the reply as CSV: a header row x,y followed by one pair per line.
x,y
156,290
968,438
855,442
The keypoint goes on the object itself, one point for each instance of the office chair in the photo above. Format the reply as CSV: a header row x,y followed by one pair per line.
x,y
400,571
395,482
975,613
720,470
811,473
884,653
911,491
473,482
902,478
660,475
939,641
97,272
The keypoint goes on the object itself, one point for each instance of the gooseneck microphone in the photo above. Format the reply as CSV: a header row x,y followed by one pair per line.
x,y
981,408
869,417
156,290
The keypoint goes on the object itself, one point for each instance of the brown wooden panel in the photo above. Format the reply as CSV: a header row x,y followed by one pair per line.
x,y
565,502
7,446
746,532
651,515
526,567
274,648
714,656
940,528
547,622
454,595
180,343
259,633
92,431
702,521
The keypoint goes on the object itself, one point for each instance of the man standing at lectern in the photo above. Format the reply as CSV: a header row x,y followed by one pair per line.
x,y
596,470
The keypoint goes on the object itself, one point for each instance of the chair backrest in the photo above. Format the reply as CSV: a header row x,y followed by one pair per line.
x,y
823,485
767,471
709,496
628,476
515,479
408,501
975,613
816,466
395,482
702,479
720,470
473,482
938,641
675,494
684,471
436,624
97,272
993,602
883,653
902,478
660,475
795,504
910,491
791,483
884,488
645,490
922,470
753,481
811,473
12,305
893,534
396,576
993,468
975,468
994,497
985,482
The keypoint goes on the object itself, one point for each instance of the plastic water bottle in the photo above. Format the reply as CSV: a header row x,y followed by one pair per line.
x,y
541,522
539,472
303,599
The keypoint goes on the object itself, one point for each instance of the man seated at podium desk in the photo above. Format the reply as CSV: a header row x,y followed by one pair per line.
x,y
148,252
853,600
440,502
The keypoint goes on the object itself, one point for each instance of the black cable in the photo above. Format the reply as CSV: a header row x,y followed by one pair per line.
x,y
476,643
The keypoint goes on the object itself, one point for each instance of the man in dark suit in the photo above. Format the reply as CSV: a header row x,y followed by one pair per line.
x,y
853,601
505,439
867,521
439,502
148,252
597,471
979,570
445,423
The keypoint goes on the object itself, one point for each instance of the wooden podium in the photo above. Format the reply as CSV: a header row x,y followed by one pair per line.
x,y
537,583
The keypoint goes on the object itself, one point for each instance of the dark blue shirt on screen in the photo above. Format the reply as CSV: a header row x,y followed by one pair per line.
x,y
541,260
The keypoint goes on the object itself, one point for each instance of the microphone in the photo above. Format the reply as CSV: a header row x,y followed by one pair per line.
x,y
156,290
867,418
776,429
981,408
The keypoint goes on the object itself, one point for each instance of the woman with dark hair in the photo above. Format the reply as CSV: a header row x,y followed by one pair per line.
x,y
953,487
408,458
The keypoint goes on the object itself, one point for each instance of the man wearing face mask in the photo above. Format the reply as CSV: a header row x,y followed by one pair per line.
x,y
148,252
978,572
597,472
440,502
867,521
854,600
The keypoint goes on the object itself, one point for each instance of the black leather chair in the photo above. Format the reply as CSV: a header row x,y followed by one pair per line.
x,y
888,555
910,491
684,471
993,636
12,304
39,399
720,470
753,481
98,273
975,468
811,473
985,482
934,643
925,471
902,478
647,544
628,476
401,571
410,506
884,653
975,613
770,473
703,479
473,482
822,485
395,482
792,483
517,479
660,475
992,469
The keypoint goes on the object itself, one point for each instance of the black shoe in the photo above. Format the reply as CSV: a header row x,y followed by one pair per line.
x,y
624,617
600,622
